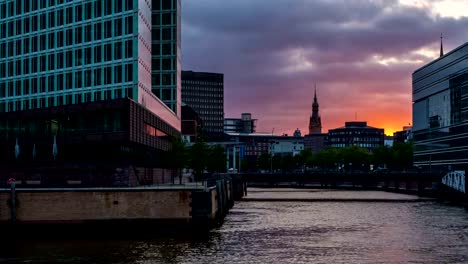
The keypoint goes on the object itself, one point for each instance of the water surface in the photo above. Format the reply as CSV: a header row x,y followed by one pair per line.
x,y
284,232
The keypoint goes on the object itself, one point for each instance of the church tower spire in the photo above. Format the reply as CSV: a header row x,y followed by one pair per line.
x,y
441,45
315,122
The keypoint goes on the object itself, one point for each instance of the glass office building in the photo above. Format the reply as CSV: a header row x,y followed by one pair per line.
x,y
61,52
440,112
166,52
78,74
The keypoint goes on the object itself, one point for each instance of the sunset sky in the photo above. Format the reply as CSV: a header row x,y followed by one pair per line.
x,y
361,54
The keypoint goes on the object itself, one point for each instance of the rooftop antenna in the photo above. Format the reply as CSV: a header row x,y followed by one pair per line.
x,y
441,45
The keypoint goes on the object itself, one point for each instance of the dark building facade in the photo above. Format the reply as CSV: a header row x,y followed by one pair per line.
x,y
315,121
204,93
404,135
356,134
440,112
315,142
245,124
192,125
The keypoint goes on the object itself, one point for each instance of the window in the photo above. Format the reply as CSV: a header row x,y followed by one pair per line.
x,y
118,74
98,8
88,31
118,50
128,49
128,73
129,25
108,29
78,81
97,31
97,54
118,27
107,52
69,34
108,75
69,15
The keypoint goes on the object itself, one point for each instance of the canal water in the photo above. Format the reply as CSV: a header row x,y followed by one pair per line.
x,y
401,230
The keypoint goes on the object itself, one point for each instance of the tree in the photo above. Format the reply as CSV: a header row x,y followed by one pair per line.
x,y
216,159
327,158
304,158
403,155
354,156
264,161
382,156
199,155
287,162
177,156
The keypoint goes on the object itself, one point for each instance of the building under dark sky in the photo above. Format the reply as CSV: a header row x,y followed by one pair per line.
x,y
245,124
80,73
356,133
204,93
440,111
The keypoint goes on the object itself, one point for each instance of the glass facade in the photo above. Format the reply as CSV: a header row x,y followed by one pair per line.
x,y
57,52
65,52
440,112
166,52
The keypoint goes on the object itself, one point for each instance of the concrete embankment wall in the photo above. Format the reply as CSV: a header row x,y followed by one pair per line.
x,y
62,206
173,204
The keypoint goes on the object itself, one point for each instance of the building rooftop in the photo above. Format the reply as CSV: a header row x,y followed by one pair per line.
x,y
440,58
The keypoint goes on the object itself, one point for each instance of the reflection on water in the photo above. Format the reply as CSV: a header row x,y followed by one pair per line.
x,y
284,232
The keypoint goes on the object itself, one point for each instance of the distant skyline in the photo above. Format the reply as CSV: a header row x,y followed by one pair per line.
x,y
361,54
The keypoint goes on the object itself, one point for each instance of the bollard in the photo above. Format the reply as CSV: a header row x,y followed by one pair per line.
x,y
13,199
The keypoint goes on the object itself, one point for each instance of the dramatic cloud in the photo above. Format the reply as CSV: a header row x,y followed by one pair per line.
x,y
360,53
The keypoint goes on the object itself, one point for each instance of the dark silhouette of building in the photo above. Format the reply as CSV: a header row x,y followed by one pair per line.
x,y
404,135
356,133
192,125
204,93
315,122
315,140
440,113
245,124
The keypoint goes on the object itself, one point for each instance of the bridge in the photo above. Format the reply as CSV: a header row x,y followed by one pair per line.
x,y
449,186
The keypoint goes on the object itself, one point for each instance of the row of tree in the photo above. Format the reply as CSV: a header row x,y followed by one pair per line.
x,y
200,158
400,156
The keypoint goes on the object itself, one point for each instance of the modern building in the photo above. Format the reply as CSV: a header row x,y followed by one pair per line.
x,y
356,133
166,52
440,112
204,93
79,74
245,124
286,146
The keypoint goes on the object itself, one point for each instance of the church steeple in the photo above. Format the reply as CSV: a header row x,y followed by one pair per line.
x,y
441,45
315,122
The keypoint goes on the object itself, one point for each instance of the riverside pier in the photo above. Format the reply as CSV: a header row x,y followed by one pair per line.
x,y
192,205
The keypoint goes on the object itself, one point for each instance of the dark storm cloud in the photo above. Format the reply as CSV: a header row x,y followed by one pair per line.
x,y
272,51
